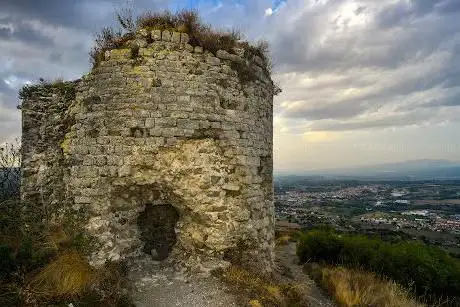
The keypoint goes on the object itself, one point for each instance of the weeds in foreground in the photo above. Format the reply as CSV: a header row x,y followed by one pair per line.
x,y
53,271
283,240
260,291
359,288
67,276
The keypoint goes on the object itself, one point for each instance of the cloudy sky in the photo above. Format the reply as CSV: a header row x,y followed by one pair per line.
x,y
364,81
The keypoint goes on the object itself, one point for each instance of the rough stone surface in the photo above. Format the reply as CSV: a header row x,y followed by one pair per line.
x,y
45,122
175,38
156,35
156,284
184,38
170,127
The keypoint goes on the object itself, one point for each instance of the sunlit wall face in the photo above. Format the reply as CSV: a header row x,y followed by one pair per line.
x,y
363,81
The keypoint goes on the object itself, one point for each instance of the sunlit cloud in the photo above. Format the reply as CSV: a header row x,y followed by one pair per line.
x,y
384,73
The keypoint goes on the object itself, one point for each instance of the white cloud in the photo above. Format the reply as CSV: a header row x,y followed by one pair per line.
x,y
350,70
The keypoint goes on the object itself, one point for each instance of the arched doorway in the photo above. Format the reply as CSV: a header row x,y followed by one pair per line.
x,y
157,229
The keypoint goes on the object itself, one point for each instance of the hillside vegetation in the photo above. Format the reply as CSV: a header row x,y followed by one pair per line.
x,y
354,287
427,271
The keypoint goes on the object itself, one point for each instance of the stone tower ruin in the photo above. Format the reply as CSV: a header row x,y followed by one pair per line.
x,y
166,148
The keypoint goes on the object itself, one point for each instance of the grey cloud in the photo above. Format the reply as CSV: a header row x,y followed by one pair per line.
x,y
403,12
452,101
449,6
55,57
4,87
73,13
404,50
395,120
342,110
5,32
53,11
371,59
23,32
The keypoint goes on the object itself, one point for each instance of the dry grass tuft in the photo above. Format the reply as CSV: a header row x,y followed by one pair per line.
x,y
360,288
57,237
255,303
283,240
69,275
264,292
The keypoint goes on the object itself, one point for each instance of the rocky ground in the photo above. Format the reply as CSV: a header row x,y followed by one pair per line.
x,y
161,284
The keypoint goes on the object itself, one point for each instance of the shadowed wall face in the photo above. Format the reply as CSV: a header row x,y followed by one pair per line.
x,y
170,151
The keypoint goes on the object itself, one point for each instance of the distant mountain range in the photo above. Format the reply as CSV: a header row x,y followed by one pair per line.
x,y
408,170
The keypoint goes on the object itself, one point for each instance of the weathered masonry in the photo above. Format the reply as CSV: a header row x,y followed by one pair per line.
x,y
166,147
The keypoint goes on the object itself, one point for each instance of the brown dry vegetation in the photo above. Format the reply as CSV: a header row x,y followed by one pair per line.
x,y
283,240
359,288
189,22
53,270
260,291
67,276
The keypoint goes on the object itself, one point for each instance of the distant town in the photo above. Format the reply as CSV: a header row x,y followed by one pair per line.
x,y
421,210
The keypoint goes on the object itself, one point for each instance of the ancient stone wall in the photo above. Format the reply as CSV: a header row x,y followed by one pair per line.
x,y
170,152
44,125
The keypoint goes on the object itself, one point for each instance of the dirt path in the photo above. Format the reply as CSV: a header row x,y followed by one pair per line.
x,y
289,270
161,285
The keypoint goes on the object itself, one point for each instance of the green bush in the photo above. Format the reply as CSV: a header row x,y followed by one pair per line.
x,y
428,271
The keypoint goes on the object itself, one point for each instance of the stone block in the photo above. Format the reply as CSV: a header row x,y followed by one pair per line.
x,y
149,122
125,171
222,54
198,49
165,122
82,200
189,48
142,33
156,35
139,43
183,98
235,58
122,53
166,36
184,38
176,37
213,61
187,124
231,187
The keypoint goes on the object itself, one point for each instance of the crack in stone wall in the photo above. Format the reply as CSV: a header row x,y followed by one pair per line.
x,y
155,130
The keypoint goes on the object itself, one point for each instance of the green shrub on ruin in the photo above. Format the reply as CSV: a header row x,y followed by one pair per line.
x,y
65,89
